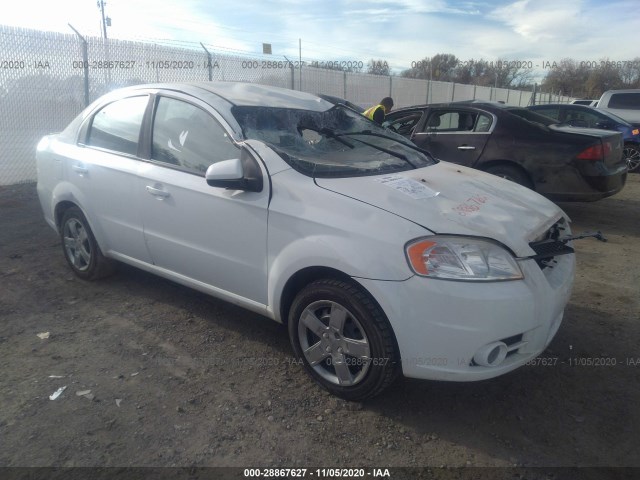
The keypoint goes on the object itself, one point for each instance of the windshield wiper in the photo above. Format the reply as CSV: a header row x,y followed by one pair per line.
x,y
381,135
411,145
328,133
378,147
331,134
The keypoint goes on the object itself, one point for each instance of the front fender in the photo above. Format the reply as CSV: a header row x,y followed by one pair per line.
x,y
314,227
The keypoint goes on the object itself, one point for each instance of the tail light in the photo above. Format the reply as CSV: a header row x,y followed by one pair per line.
x,y
595,152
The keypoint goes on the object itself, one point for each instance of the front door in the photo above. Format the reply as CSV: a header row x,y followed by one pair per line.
x,y
212,235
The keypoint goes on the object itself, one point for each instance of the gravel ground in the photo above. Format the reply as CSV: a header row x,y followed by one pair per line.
x,y
177,378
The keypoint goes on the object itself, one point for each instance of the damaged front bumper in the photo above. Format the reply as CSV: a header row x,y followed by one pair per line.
x,y
464,331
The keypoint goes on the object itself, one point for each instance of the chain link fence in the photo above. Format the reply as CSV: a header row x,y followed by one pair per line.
x,y
47,78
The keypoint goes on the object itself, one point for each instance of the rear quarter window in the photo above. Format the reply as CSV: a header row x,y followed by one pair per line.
x,y
626,101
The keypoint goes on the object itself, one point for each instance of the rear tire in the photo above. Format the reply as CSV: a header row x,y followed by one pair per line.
x,y
343,339
631,153
80,247
511,173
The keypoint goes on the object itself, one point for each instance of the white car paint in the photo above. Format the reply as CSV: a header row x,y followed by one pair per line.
x,y
631,115
243,247
496,208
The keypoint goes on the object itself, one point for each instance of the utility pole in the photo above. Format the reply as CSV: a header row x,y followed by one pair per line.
x,y
104,21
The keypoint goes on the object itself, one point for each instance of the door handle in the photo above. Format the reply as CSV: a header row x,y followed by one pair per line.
x,y
156,192
80,169
466,147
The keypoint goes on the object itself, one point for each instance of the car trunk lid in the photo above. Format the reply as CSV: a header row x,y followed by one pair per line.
x,y
607,145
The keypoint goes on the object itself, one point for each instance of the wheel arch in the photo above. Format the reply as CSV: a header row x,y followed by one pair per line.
x,y
301,279
307,275
636,146
64,200
61,208
508,163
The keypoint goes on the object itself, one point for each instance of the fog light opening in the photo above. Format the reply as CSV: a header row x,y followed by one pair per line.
x,y
491,355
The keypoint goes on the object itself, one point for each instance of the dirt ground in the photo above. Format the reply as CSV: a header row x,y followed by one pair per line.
x,y
181,379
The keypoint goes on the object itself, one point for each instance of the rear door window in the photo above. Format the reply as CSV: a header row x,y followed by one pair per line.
x,y
457,121
117,125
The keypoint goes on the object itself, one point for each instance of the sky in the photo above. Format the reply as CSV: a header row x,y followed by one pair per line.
x,y
400,32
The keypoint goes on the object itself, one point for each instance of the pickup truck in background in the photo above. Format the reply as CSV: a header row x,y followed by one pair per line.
x,y
624,103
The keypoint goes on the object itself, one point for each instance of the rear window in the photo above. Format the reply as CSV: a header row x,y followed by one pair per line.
x,y
626,101
551,112
532,117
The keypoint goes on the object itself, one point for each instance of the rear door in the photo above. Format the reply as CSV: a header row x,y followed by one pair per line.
x,y
455,134
212,235
104,174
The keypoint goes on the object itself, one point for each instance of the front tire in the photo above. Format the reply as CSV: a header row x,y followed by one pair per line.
x,y
80,247
631,153
343,339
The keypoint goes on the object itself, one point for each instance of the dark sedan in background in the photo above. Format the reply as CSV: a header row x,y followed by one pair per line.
x,y
562,163
587,117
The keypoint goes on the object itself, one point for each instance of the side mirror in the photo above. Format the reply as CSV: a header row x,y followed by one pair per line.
x,y
225,170
236,174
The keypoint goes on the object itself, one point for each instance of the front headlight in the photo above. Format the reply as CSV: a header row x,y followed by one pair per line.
x,y
461,258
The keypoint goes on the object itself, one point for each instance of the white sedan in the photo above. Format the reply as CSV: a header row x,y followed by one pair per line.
x,y
380,259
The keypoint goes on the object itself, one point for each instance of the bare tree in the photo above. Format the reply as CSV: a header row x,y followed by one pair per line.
x,y
567,76
605,77
441,66
494,74
630,73
447,67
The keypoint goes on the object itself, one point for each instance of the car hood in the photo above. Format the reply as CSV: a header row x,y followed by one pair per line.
x,y
450,199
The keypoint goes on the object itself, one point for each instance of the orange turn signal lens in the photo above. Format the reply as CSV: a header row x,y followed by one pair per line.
x,y
416,255
635,131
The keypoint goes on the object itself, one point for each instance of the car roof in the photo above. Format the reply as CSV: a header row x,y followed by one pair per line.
x,y
626,90
224,96
597,111
247,94
462,103
337,100
572,105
